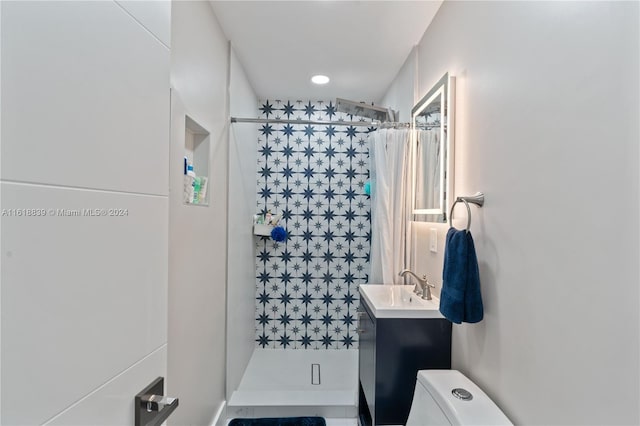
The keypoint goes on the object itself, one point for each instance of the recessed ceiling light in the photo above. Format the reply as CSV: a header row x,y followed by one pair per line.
x,y
320,79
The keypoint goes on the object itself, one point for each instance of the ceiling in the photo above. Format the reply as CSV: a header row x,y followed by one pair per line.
x,y
360,45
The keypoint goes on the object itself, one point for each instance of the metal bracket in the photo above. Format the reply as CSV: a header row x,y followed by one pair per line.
x,y
151,406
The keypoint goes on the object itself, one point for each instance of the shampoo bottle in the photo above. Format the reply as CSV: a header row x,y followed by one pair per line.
x,y
202,194
196,190
191,177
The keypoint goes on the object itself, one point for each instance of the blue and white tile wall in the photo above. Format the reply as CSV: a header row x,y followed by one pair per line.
x,y
313,175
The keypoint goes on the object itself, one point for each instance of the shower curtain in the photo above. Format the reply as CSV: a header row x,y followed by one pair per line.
x,y
389,156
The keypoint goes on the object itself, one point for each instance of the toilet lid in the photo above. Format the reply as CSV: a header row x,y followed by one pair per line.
x,y
460,399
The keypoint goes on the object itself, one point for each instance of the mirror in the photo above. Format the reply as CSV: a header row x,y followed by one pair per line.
x,y
432,123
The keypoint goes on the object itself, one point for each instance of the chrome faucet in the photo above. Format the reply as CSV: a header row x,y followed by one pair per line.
x,y
423,288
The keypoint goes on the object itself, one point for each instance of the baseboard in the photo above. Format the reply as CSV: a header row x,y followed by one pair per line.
x,y
220,419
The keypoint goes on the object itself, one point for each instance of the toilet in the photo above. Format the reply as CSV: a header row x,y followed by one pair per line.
x,y
447,397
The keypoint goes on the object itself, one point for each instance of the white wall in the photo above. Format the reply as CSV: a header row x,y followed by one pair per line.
x,y
197,234
401,94
547,107
85,125
241,248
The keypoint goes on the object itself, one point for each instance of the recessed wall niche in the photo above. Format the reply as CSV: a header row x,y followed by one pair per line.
x,y
196,163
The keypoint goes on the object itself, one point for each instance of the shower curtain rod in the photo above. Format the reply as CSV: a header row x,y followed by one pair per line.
x,y
374,123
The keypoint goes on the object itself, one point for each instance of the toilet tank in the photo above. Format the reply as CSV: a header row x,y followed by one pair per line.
x,y
434,402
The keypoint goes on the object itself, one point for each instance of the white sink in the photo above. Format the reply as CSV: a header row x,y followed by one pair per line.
x,y
398,301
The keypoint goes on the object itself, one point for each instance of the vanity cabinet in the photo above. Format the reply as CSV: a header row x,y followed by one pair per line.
x,y
391,352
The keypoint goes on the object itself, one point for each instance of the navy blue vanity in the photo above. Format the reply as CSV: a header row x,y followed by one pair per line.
x,y
397,338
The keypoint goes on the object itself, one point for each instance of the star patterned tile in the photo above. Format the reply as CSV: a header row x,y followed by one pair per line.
x,y
313,175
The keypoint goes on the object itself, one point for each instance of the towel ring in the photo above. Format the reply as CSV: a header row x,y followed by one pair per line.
x,y
477,199
466,203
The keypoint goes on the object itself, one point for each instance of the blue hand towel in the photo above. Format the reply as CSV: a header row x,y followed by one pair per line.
x,y
460,298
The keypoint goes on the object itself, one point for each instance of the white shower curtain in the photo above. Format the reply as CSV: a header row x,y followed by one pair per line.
x,y
389,151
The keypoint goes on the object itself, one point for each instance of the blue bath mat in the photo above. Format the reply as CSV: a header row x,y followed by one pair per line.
x,y
280,421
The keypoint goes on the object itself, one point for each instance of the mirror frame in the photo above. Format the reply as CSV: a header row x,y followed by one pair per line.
x,y
445,87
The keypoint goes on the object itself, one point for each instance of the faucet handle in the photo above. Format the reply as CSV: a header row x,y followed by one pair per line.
x,y
426,281
426,289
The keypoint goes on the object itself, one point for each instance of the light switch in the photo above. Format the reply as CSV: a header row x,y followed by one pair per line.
x,y
433,243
